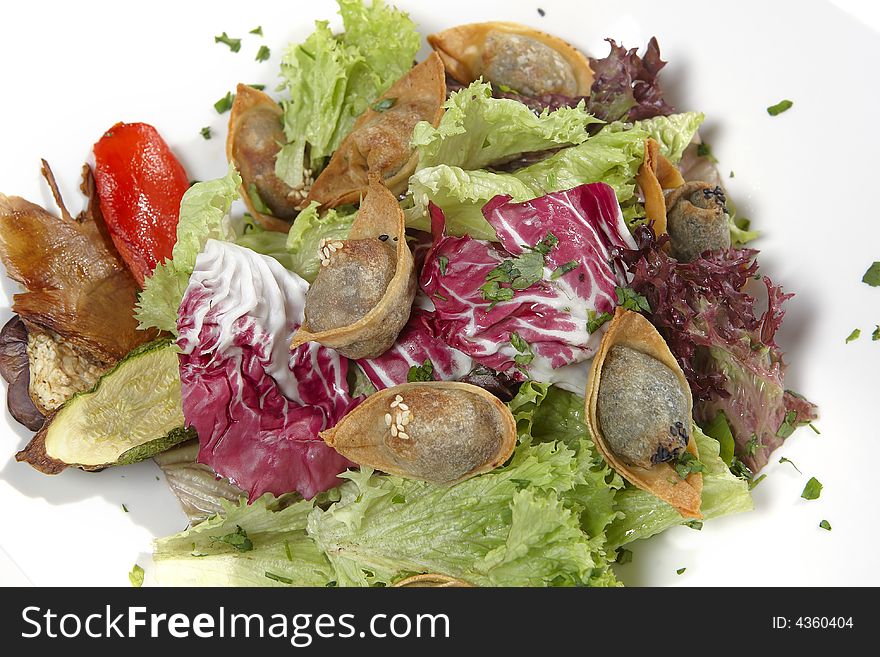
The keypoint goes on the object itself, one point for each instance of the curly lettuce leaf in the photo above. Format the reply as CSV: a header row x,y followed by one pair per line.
x,y
331,79
267,242
642,515
478,130
280,548
673,133
204,215
303,242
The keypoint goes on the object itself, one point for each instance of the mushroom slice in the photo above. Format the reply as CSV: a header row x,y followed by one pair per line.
x,y
639,410
432,581
380,139
440,431
526,60
362,296
255,136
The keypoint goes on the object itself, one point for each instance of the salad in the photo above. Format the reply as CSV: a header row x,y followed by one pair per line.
x,y
487,318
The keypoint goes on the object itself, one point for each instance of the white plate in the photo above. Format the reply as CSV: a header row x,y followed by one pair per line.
x,y
806,178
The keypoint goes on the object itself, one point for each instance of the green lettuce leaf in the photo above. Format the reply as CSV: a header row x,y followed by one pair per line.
x,y
303,242
478,130
268,242
204,215
643,515
673,133
332,79
282,552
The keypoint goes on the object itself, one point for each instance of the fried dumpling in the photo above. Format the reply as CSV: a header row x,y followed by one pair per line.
x,y
516,56
255,136
380,140
363,293
639,410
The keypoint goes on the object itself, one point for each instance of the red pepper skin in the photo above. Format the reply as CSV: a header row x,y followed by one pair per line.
x,y
140,184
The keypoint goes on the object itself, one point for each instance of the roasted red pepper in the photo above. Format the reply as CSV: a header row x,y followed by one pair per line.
x,y
140,184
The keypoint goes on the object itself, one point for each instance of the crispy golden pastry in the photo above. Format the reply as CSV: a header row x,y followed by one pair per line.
x,y
656,174
380,140
363,293
639,410
515,56
432,581
255,136
440,431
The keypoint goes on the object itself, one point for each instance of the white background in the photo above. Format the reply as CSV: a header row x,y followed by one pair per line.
x,y
807,179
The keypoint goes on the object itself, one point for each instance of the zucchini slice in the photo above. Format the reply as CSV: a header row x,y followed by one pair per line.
x,y
133,412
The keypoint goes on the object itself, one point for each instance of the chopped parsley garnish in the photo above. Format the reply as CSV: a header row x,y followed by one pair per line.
x,y
263,54
624,556
754,483
732,174
287,552
791,463
825,525
257,30
125,508
740,469
541,12
694,524
680,571
225,104
136,576
518,273
876,334
789,424
753,445
525,355
812,490
632,300
686,464
437,295
278,578
779,108
383,104
423,372
443,263
815,430
505,88
234,44
237,539
594,320
872,276
205,132
258,87
563,269
704,150
856,333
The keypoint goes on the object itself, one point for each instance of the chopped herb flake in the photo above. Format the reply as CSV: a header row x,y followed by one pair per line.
x,y
825,525
278,578
205,132
258,87
596,320
779,108
437,295
525,355
287,552
754,483
237,539
624,556
856,333
694,524
125,508
815,430
680,571
563,269
234,44
423,372
686,464
753,445
136,576
812,490
383,104
876,334
225,104
872,276
740,469
632,300
732,174
541,12
704,150
443,263
545,245
257,30
263,54
789,424
791,463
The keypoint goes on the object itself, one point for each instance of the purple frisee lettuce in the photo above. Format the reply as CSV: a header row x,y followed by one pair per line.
x,y
540,332
257,406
